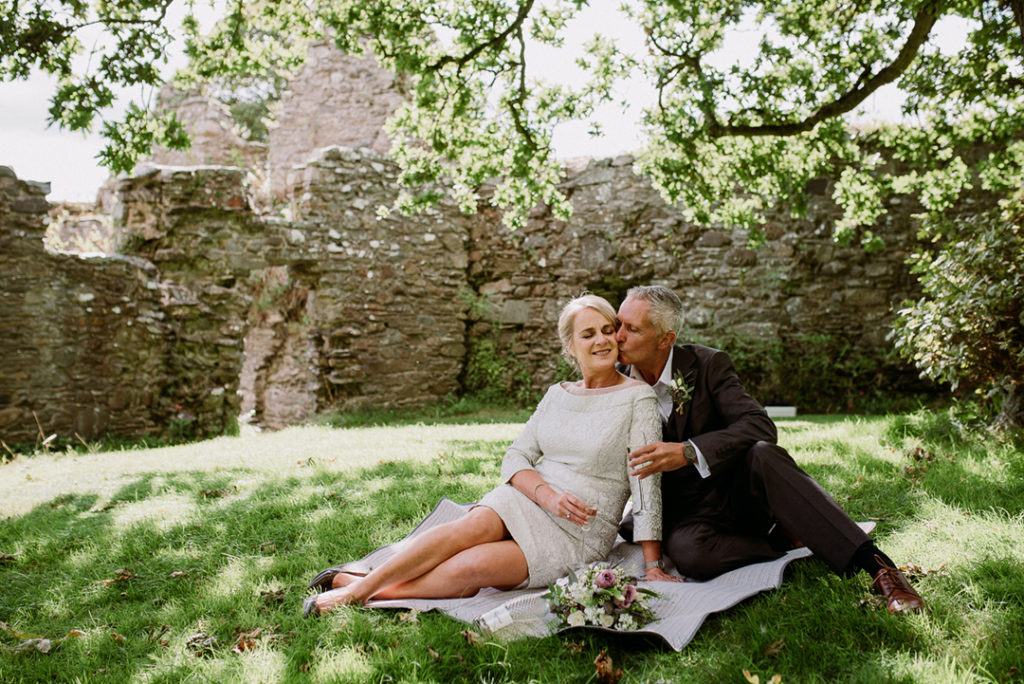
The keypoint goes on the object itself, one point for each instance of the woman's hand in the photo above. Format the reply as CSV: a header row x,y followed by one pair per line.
x,y
565,505
659,575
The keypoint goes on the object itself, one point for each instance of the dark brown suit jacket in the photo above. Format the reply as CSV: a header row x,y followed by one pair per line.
x,y
723,421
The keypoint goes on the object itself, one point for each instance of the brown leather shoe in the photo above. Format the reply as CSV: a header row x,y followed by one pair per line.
x,y
890,583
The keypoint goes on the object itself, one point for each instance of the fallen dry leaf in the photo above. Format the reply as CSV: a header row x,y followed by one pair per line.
x,y
472,637
775,648
606,672
201,644
433,654
574,646
276,596
6,558
213,493
914,571
178,573
122,575
246,640
74,633
872,602
412,617
117,637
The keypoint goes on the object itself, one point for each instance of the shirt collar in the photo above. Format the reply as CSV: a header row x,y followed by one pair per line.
x,y
666,373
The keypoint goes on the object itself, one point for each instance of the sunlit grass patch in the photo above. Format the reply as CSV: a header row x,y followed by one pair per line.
x,y
346,664
189,553
163,511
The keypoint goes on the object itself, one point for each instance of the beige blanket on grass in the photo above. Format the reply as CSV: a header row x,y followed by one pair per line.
x,y
680,608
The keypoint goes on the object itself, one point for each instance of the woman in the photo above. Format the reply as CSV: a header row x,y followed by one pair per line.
x,y
566,485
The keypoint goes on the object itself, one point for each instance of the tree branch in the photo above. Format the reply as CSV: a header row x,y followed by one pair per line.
x,y
516,108
1017,6
516,25
924,20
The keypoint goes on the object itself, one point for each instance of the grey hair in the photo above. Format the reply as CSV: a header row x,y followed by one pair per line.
x,y
566,319
666,312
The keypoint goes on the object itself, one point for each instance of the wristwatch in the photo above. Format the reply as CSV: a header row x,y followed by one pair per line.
x,y
653,564
689,453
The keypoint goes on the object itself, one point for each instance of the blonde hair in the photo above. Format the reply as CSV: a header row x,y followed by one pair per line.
x,y
567,318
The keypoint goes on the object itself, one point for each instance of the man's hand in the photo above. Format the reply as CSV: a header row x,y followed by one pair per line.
x,y
659,575
657,457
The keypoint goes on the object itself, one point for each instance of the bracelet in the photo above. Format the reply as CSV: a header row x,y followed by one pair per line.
x,y
542,484
653,564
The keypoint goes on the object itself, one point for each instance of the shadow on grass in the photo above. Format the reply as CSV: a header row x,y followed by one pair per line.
x,y
228,563
180,594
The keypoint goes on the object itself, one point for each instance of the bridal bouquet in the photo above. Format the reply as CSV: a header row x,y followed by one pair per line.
x,y
602,596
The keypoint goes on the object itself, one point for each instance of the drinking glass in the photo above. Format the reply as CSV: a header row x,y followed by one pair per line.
x,y
595,503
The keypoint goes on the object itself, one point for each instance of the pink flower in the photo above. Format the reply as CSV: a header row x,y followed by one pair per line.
x,y
604,579
628,596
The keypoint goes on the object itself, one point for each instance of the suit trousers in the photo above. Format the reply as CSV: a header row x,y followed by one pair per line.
x,y
767,488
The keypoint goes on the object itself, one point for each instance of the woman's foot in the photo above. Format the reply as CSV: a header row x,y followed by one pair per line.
x,y
329,579
335,597
343,579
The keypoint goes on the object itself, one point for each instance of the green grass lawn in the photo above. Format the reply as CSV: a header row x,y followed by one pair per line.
x,y
190,563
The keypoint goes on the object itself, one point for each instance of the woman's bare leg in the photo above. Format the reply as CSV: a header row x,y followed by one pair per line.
x,y
423,553
494,564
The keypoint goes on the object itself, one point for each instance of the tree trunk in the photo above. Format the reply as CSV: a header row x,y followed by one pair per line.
x,y
1011,414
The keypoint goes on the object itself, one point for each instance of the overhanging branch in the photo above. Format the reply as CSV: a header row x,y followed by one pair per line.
x,y
924,20
524,11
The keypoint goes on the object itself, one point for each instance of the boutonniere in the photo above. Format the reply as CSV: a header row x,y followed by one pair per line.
x,y
681,389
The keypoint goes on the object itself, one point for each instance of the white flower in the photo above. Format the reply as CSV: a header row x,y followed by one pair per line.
x,y
576,619
562,582
626,622
606,620
592,614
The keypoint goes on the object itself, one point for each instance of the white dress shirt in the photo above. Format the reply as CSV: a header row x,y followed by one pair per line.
x,y
661,389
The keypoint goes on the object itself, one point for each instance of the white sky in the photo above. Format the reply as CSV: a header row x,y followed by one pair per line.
x,y
68,160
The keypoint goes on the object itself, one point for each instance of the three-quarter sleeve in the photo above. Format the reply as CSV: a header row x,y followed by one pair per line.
x,y
644,429
524,453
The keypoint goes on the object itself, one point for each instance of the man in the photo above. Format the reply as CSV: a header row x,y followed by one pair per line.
x,y
731,496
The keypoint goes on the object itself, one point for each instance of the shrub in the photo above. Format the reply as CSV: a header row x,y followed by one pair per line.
x,y
968,327
823,374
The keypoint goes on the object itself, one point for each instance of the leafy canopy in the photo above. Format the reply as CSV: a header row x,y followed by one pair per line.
x,y
728,138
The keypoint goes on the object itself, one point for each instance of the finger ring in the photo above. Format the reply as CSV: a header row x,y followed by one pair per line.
x,y
566,516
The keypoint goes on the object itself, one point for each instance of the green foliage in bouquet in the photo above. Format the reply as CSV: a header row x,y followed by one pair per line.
x,y
601,596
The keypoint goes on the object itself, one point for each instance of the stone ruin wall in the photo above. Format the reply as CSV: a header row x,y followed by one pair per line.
x,y
334,99
216,139
330,307
312,303
623,234
89,343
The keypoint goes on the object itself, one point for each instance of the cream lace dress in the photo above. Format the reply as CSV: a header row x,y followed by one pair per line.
x,y
577,440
